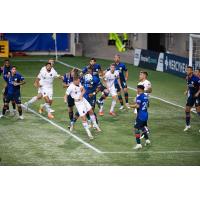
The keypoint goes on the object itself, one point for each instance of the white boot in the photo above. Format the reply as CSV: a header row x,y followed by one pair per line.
x,y
147,142
138,146
187,128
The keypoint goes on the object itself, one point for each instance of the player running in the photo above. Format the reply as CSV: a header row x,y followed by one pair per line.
x,y
193,94
6,70
14,80
123,74
110,78
77,91
142,117
39,95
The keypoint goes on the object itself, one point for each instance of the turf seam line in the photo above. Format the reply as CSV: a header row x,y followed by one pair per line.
x,y
64,130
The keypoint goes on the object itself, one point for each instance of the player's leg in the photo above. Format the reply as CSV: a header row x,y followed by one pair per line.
x,y
137,128
17,99
86,127
14,107
197,104
5,93
33,100
48,107
120,97
114,101
126,95
93,119
5,106
190,103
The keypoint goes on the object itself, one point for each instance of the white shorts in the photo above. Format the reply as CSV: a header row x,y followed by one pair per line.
x,y
112,91
40,90
47,92
83,107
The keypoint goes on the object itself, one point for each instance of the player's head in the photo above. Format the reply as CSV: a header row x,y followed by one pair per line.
x,y
116,58
112,67
143,75
74,71
76,79
7,63
13,70
51,60
197,72
140,89
189,70
48,66
92,61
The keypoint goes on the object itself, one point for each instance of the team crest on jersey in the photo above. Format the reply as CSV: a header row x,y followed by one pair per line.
x,y
51,75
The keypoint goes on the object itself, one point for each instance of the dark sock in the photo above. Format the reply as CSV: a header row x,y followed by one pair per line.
x,y
144,132
5,107
20,110
88,116
137,136
96,118
76,117
126,97
14,105
120,99
71,116
4,101
187,118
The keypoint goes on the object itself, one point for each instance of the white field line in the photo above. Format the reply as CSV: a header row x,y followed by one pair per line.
x,y
64,130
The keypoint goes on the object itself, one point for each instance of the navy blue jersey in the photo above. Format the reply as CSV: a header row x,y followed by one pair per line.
x,y
68,78
6,70
142,112
121,67
13,90
95,71
91,86
193,84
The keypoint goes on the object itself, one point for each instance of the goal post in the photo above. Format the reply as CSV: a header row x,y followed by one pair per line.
x,y
194,50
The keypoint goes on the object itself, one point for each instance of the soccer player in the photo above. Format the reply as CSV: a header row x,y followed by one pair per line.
x,y
6,70
193,93
110,77
76,90
14,80
39,95
142,117
123,74
67,79
146,83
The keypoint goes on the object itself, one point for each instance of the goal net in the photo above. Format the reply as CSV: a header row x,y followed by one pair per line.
x,y
194,51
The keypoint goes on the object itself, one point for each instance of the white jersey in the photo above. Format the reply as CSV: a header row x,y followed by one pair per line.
x,y
146,84
47,78
110,78
74,91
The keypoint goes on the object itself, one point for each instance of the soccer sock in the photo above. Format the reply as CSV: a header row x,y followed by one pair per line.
x,y
5,107
120,100
88,116
14,105
93,119
86,127
20,110
4,101
76,117
71,115
113,105
126,96
47,107
144,132
137,136
96,118
34,99
187,118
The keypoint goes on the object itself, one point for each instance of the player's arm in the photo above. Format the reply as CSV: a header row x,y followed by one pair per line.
x,y
135,105
82,93
186,91
126,75
37,83
22,82
198,93
149,89
105,83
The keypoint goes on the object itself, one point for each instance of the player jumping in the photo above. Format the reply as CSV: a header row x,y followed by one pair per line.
x,y
76,90
193,94
142,117
14,80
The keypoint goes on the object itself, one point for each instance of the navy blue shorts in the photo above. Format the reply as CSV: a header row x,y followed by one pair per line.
x,y
100,87
123,83
70,101
191,101
15,97
5,91
139,124
91,100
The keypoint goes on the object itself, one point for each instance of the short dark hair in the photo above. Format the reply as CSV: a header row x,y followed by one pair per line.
x,y
93,59
190,67
14,67
144,72
140,87
6,60
48,63
198,69
112,64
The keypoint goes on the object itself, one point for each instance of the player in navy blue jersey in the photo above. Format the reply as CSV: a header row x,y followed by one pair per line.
x,y
193,95
142,117
14,80
123,75
5,70
67,80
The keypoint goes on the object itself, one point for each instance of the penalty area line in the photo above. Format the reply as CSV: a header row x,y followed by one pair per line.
x,y
64,130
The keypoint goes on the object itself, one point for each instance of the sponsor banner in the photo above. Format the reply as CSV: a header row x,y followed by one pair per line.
x,y
175,64
4,48
137,54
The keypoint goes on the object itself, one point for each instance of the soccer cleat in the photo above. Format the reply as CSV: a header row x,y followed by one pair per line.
x,y
135,111
138,146
71,126
97,128
51,110
98,104
121,107
21,117
187,128
128,106
101,113
14,112
89,134
41,110
147,142
1,116
112,114
50,116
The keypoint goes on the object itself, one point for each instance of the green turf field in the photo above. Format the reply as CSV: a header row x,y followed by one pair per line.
x,y
36,141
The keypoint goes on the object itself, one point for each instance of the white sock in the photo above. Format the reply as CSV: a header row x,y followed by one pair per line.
x,y
113,105
86,127
34,99
101,108
93,119
47,107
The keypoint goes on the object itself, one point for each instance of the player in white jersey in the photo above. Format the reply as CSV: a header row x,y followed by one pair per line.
x,y
39,95
76,91
109,80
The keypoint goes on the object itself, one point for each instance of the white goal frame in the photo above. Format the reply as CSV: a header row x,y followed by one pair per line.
x,y
191,37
